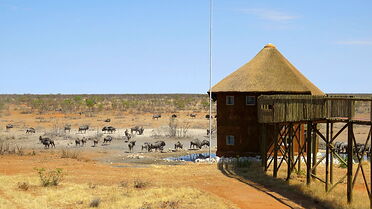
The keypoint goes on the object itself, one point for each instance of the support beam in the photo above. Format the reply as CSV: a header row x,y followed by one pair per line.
x,y
308,152
290,151
327,157
350,163
299,141
275,135
263,146
370,166
331,157
314,148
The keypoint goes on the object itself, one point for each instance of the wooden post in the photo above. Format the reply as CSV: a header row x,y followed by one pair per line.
x,y
263,147
314,148
290,151
308,152
276,135
331,160
299,149
327,157
370,158
350,162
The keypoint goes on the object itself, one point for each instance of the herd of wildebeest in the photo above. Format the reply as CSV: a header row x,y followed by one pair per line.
x,y
127,138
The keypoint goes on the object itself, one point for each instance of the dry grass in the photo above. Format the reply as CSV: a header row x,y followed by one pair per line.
x,y
316,191
65,153
70,195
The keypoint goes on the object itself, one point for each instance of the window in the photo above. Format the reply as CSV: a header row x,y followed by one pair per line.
x,y
250,100
230,100
230,140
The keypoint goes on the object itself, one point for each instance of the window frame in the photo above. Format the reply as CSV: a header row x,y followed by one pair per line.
x,y
229,137
249,104
227,100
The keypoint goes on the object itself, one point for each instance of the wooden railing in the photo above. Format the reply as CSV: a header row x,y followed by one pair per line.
x,y
293,108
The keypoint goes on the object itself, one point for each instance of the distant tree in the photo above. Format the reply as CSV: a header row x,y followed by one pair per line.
x,y
90,104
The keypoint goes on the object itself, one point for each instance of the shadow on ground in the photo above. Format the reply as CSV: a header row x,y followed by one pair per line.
x,y
279,189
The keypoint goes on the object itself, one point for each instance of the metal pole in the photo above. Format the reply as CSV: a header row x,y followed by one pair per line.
x,y
210,75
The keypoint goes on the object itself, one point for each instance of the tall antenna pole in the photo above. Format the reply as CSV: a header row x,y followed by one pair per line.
x,y
210,75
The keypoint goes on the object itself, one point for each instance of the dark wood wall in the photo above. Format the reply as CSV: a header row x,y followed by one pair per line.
x,y
239,120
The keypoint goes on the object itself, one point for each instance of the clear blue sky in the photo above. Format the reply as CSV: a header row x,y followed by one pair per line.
x,y
145,46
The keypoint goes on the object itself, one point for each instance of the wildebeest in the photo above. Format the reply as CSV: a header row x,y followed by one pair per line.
x,y
137,129
205,143
131,145
192,115
359,148
107,120
174,116
30,130
83,128
340,147
145,146
198,144
83,141
157,116
107,139
108,129
158,145
207,116
210,132
95,142
127,134
47,142
178,145
8,126
195,143
67,128
77,142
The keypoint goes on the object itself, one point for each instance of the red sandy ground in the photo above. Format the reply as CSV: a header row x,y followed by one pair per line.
x,y
201,176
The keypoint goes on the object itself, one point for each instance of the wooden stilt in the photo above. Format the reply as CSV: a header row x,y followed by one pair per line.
x,y
276,134
263,146
308,152
350,163
314,148
370,157
290,151
327,157
300,140
331,157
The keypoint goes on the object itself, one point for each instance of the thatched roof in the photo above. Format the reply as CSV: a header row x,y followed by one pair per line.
x,y
268,71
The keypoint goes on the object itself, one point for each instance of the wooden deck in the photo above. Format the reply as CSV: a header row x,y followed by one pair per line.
x,y
303,108
281,118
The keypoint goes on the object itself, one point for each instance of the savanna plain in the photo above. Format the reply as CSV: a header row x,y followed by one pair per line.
x,y
96,173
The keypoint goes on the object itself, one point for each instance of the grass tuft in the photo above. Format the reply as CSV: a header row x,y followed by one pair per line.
x,y
69,154
95,203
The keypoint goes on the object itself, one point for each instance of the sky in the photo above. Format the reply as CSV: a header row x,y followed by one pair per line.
x,y
162,46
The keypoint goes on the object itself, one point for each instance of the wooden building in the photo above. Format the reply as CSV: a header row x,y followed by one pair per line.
x,y
268,73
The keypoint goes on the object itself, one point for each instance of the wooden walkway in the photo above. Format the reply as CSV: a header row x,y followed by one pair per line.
x,y
290,134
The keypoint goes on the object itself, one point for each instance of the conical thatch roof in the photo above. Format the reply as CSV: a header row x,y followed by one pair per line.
x,y
268,71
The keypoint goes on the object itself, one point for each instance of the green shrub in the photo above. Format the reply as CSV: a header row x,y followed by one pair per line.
x,y
50,177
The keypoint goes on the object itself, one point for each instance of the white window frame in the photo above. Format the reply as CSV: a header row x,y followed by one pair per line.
x,y
228,138
250,104
227,100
